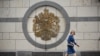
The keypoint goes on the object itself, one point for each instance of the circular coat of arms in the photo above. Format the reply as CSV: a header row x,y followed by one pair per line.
x,y
46,24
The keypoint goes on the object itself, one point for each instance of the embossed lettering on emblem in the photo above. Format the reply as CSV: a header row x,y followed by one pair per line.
x,y
46,25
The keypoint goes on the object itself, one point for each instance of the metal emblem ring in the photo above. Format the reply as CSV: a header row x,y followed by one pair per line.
x,y
29,12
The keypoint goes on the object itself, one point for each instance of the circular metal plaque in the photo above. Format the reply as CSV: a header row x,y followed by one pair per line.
x,y
33,8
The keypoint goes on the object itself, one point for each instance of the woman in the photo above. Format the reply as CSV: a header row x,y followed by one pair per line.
x,y
71,43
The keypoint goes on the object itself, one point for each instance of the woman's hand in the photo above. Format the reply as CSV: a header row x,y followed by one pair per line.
x,y
77,45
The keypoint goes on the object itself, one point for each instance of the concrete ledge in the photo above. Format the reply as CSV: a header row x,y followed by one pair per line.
x,y
90,53
47,53
24,53
7,54
32,53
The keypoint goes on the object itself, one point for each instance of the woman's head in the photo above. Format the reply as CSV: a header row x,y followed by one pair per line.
x,y
72,32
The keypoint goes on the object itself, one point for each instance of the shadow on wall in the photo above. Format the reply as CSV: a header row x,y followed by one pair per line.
x,y
98,0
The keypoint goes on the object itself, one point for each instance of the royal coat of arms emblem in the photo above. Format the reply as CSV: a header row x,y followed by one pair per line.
x,y
46,25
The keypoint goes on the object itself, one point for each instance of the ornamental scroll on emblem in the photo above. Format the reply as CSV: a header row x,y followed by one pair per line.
x,y
46,25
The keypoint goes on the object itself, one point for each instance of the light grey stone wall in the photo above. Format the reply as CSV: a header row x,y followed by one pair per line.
x,y
87,33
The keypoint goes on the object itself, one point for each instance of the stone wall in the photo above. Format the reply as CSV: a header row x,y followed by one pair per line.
x,y
87,32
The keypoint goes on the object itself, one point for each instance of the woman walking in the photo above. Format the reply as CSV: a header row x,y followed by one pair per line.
x,y
71,42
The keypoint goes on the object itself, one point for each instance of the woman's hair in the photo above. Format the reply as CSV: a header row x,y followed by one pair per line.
x,y
72,31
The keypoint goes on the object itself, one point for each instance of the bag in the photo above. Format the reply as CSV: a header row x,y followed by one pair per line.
x,y
70,44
